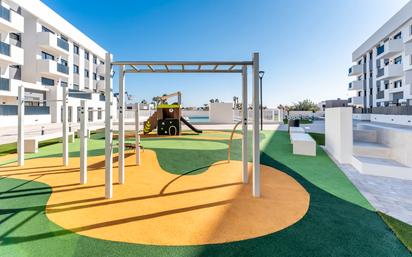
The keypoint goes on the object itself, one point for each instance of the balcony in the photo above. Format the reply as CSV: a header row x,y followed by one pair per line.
x,y
10,21
390,71
52,68
356,85
390,48
100,86
357,100
10,54
51,42
380,95
356,70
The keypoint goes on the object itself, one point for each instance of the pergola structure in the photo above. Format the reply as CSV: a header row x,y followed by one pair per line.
x,y
126,67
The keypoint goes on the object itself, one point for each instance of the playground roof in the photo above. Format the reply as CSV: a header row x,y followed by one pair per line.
x,y
183,66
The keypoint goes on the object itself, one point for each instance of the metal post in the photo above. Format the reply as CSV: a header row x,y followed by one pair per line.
x,y
261,103
83,141
65,129
245,152
256,137
137,135
108,128
20,129
121,123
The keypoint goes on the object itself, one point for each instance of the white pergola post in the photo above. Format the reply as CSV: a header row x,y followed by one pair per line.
x,y
83,142
65,133
108,128
256,117
245,152
121,123
137,135
20,128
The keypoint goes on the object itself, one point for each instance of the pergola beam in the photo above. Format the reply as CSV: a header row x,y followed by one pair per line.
x,y
150,67
183,71
134,67
186,63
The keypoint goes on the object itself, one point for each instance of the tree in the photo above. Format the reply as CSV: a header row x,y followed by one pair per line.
x,y
144,101
211,101
305,105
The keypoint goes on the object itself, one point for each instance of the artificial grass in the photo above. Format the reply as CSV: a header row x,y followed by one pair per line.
x,y
402,230
318,137
339,222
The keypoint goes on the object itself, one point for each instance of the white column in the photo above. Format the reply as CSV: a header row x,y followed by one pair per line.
x,y
137,135
245,151
65,133
20,129
256,118
121,124
83,141
108,129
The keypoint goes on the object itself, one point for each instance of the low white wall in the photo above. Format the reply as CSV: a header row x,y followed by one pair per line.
x,y
305,114
361,116
221,112
405,120
339,133
11,120
194,113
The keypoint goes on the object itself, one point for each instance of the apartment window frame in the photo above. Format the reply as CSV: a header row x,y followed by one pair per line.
x,y
76,69
398,60
76,87
46,29
90,118
86,55
47,56
397,84
76,49
94,76
94,59
99,113
47,82
86,73
64,84
398,36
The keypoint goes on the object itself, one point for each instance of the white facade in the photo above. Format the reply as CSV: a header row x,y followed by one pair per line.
x,y
382,70
43,52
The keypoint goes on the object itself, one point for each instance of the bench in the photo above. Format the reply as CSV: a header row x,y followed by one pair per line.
x,y
31,144
303,144
293,130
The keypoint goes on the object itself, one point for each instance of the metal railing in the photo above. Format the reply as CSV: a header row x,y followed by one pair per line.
x,y
79,94
380,50
4,48
381,72
10,110
5,13
380,95
4,84
63,44
393,110
62,68
102,98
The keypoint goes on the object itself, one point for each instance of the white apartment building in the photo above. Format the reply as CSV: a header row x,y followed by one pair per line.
x,y
43,52
382,65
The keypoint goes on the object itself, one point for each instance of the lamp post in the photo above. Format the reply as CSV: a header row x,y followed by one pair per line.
x,y
261,74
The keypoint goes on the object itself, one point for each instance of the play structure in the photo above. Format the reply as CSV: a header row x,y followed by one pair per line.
x,y
167,118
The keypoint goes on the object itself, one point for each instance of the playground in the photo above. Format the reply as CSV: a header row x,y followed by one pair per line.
x,y
180,192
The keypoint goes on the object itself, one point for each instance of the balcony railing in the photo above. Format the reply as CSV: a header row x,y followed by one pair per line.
x,y
63,44
393,110
4,48
380,95
8,110
380,73
5,13
79,94
102,98
4,84
62,68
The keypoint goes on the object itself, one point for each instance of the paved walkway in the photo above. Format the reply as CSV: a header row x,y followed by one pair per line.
x,y
389,195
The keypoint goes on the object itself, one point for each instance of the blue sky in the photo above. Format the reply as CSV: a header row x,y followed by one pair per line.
x,y
305,46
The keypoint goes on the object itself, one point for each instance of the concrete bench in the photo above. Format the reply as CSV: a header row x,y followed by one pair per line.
x,y
31,145
303,144
293,130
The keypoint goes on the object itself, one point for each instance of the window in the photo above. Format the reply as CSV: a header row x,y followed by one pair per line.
x,y
360,93
397,84
90,114
47,81
64,62
86,55
63,83
94,59
75,87
70,114
101,77
386,84
47,56
398,60
44,29
75,69
86,73
64,38
370,91
386,62
99,113
76,49
101,62
398,36
94,76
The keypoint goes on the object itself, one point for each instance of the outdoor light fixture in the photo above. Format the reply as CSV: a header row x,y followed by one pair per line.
x,y
261,74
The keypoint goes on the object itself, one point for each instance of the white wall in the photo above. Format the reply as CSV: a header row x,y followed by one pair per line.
x,y
195,113
339,133
361,116
405,120
8,121
221,113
